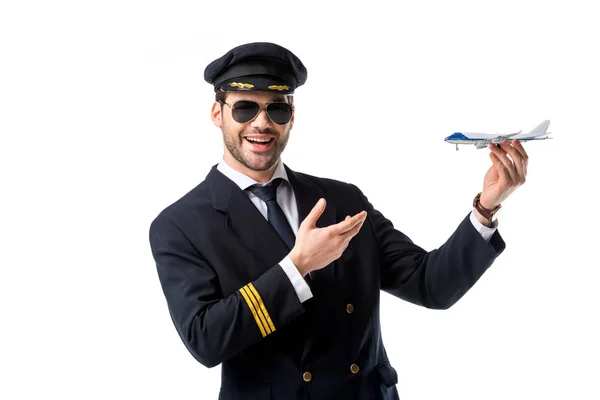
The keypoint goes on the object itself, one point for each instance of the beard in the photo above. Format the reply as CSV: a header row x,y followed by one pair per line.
x,y
256,162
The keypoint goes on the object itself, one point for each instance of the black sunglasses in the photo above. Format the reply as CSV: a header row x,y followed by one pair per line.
x,y
244,111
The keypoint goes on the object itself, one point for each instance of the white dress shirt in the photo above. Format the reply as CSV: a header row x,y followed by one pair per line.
x,y
287,201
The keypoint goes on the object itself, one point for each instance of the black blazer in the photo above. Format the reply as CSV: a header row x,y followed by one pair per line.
x,y
232,304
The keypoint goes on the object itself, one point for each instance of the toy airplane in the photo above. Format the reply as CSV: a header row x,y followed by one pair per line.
x,y
482,140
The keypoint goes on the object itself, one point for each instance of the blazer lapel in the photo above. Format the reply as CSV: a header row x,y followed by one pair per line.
x,y
245,222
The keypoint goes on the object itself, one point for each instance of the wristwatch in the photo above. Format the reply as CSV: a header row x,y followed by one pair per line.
x,y
490,215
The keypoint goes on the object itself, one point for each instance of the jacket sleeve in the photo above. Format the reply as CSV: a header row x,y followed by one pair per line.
x,y
214,327
435,279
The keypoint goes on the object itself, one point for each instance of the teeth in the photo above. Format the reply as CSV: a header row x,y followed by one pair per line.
x,y
258,140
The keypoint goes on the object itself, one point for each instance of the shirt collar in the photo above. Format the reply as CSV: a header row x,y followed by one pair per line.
x,y
244,181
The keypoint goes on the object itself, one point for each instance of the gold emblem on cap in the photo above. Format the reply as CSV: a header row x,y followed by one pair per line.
x,y
279,87
242,85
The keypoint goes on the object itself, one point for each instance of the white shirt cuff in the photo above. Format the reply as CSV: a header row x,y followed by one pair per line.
x,y
485,232
300,286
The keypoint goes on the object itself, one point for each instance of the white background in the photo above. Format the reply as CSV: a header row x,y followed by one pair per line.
x,y
104,117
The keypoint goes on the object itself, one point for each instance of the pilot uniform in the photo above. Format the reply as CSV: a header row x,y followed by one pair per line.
x,y
236,299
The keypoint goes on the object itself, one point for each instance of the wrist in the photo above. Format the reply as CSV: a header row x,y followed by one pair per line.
x,y
484,213
484,221
485,204
298,263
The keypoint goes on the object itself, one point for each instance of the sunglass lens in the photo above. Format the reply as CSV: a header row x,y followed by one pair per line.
x,y
243,111
280,113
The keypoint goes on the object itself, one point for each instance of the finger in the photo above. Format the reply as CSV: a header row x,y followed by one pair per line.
x,y
350,224
347,236
517,145
521,149
347,224
315,213
517,161
502,172
510,168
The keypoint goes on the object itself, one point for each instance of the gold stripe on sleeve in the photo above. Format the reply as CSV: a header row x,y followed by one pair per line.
x,y
262,307
259,312
251,307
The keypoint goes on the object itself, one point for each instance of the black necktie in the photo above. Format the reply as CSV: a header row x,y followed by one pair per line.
x,y
275,214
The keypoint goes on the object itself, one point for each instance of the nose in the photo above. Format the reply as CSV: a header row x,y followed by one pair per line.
x,y
261,121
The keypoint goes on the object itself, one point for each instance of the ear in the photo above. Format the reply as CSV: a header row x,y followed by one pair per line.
x,y
216,114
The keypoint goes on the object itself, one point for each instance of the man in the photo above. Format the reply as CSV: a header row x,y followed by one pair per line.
x,y
276,274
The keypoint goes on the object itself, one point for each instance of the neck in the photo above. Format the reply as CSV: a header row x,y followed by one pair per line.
x,y
258,176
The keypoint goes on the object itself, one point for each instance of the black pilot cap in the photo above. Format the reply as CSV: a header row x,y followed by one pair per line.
x,y
260,66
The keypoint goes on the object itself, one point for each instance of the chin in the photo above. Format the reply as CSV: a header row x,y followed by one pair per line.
x,y
261,165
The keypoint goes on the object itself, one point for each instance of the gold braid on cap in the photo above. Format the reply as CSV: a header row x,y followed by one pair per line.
x,y
279,87
241,85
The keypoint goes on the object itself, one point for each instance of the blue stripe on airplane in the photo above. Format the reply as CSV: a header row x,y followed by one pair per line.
x,y
459,136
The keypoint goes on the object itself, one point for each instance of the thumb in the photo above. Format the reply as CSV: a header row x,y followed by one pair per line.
x,y
315,213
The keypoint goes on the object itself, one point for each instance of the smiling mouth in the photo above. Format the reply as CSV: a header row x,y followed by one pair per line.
x,y
260,145
269,140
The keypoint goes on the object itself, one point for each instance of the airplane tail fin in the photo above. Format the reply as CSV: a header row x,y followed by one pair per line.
x,y
540,130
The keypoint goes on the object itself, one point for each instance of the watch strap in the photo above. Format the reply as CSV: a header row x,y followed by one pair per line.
x,y
487,214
